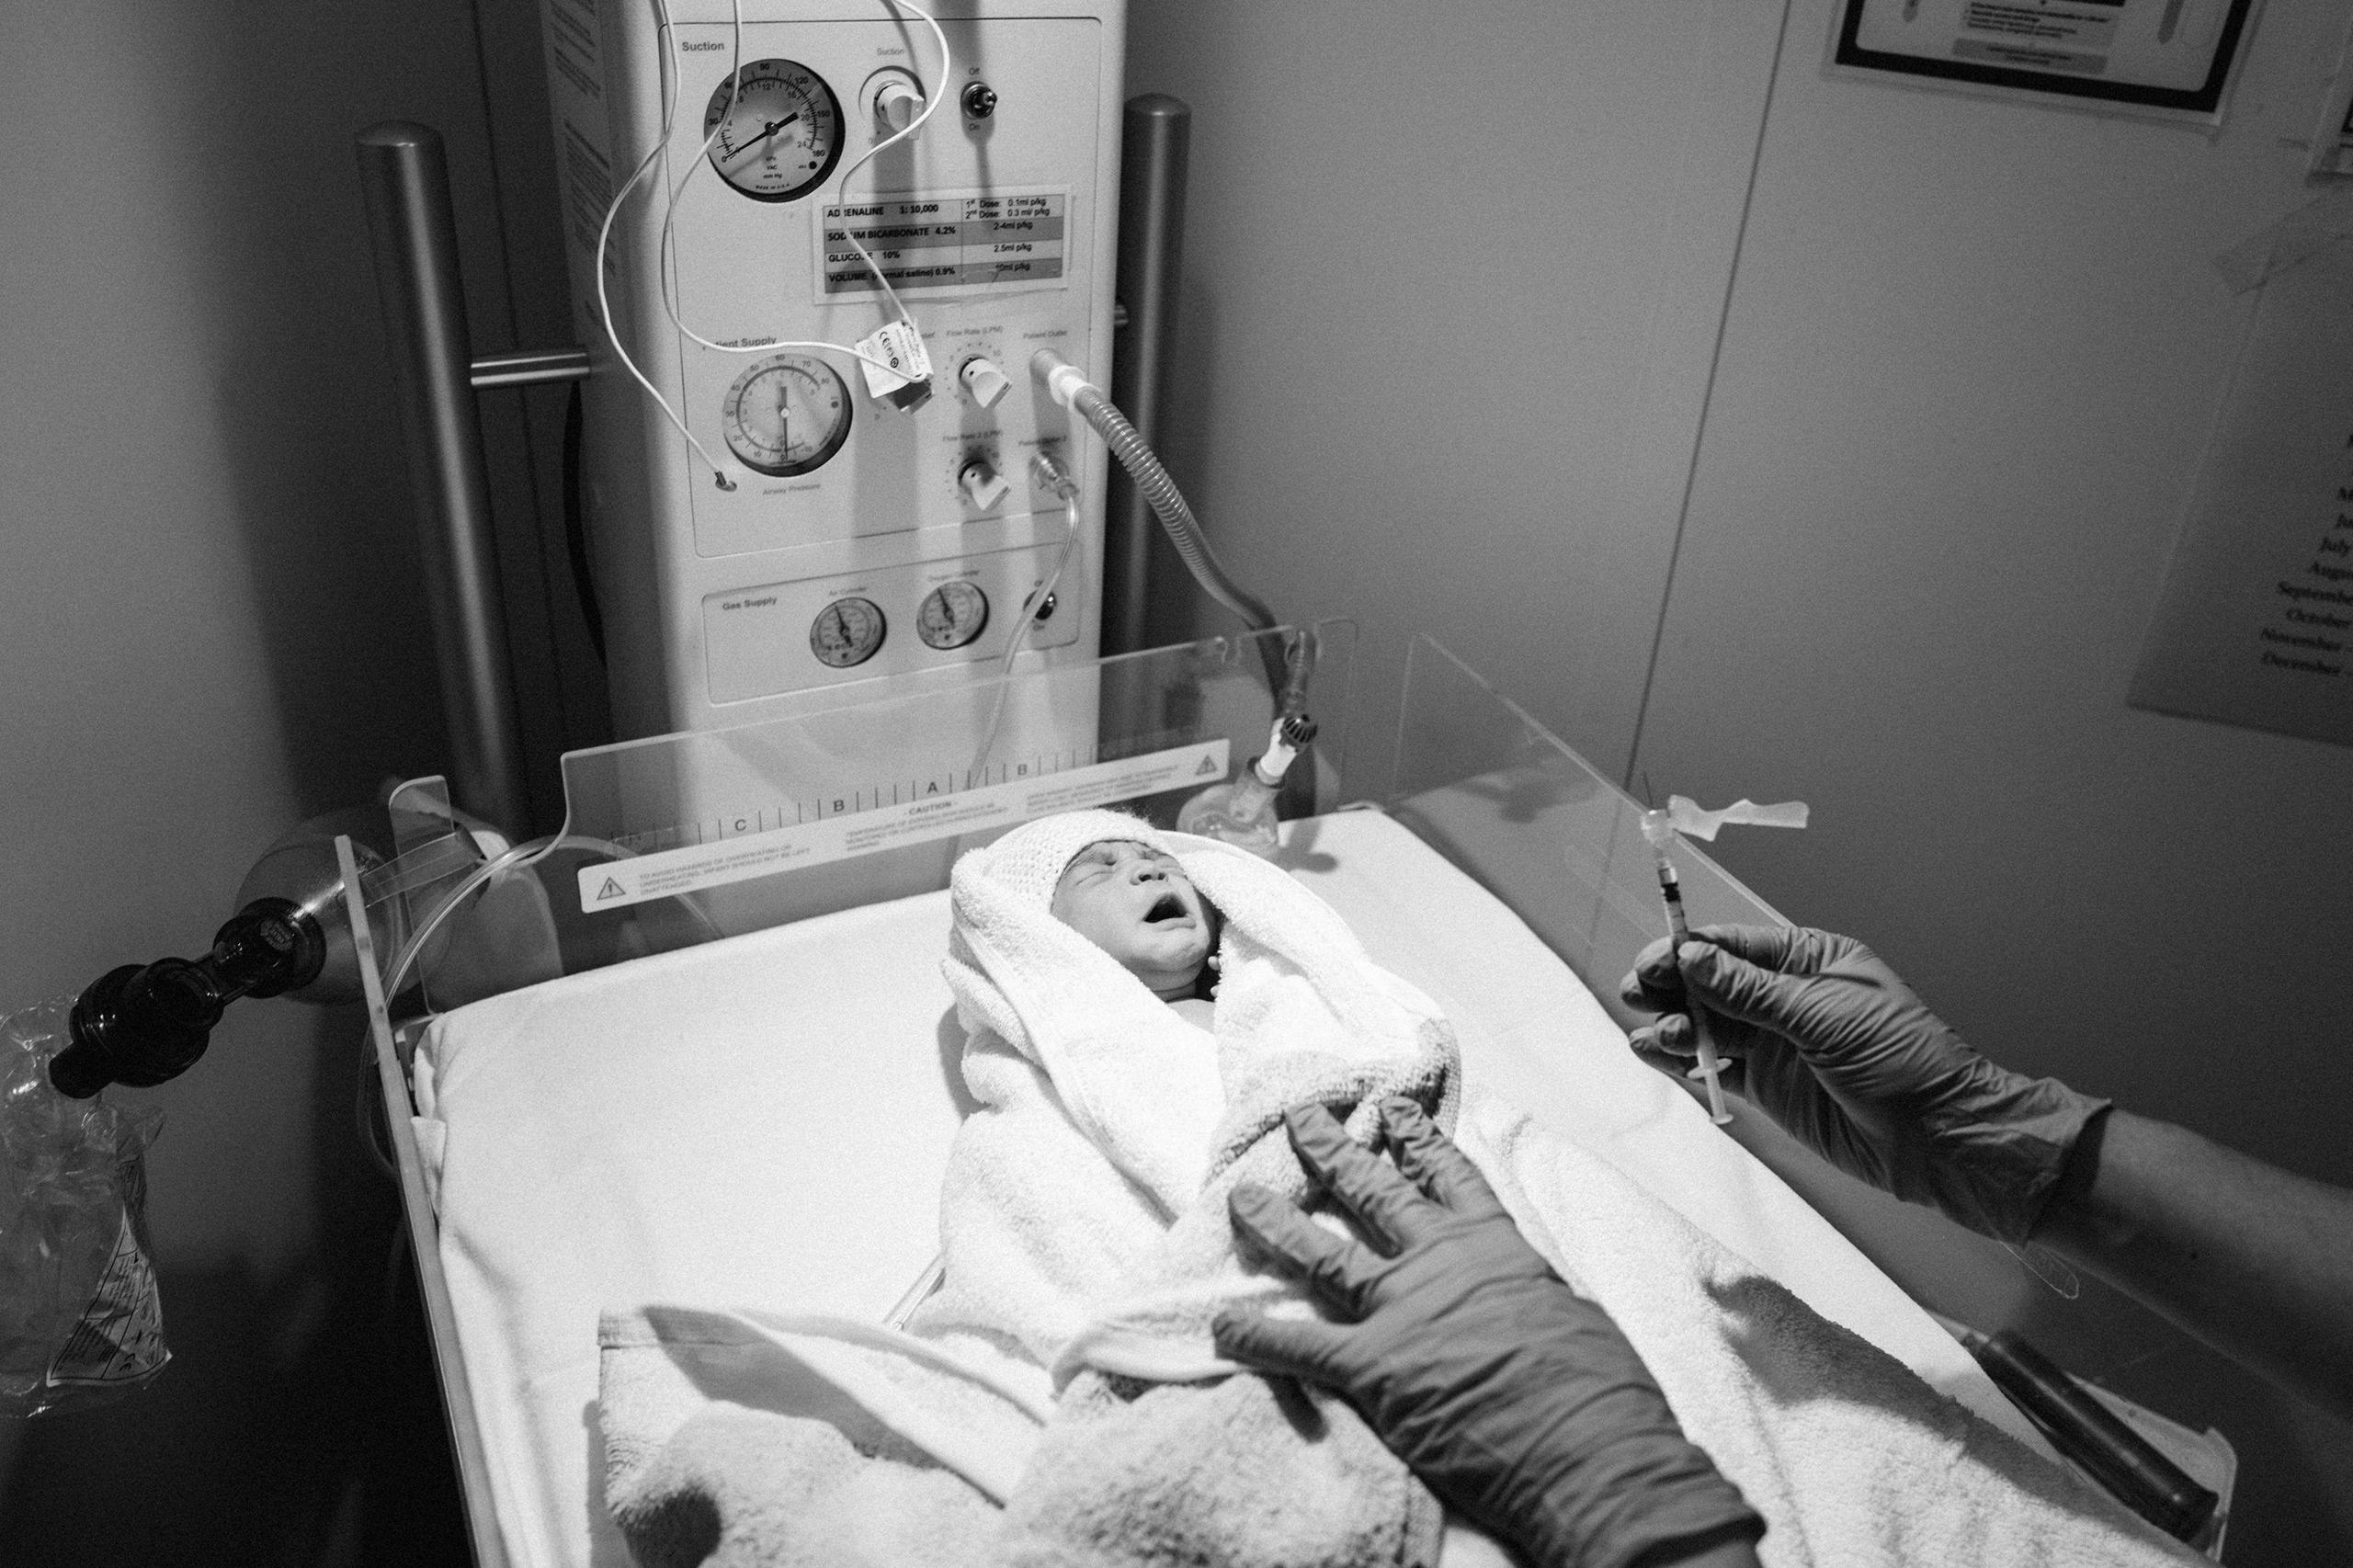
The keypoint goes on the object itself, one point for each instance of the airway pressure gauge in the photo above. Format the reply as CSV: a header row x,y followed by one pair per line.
x,y
783,135
787,415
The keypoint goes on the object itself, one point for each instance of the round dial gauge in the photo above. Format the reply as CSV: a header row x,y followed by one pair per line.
x,y
953,615
783,134
787,415
846,633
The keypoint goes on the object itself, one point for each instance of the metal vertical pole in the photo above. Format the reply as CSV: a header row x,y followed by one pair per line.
x,y
406,181
1155,137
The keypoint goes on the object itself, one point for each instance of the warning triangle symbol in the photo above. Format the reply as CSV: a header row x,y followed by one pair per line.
x,y
611,890
1208,766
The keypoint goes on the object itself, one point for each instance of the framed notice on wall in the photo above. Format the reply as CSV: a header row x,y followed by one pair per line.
x,y
2256,626
2171,58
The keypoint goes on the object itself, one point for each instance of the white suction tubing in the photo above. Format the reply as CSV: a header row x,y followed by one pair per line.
x,y
1071,388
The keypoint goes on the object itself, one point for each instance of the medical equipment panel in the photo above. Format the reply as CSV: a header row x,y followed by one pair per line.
x,y
808,520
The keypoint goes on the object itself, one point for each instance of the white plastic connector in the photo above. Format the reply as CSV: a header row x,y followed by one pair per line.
x,y
1047,473
1062,379
1276,760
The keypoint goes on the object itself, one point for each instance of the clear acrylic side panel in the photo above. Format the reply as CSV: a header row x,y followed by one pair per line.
x,y
689,837
1531,821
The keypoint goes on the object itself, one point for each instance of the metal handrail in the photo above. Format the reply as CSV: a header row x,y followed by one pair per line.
x,y
404,175
1153,156
531,368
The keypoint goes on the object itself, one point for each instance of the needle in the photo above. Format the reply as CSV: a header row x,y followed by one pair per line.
x,y
1657,829
772,129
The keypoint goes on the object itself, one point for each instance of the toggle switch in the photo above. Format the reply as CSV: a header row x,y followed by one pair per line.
x,y
983,381
982,484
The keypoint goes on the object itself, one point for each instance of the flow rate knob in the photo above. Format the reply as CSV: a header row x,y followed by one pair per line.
x,y
982,379
980,483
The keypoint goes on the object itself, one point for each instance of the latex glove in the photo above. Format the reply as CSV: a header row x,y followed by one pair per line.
x,y
1819,1033
1515,1400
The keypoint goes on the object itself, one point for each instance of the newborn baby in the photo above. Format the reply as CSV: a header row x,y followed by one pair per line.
x,y
1136,903
1083,1214
1087,950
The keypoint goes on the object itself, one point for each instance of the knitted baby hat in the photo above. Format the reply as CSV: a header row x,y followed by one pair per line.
x,y
1029,862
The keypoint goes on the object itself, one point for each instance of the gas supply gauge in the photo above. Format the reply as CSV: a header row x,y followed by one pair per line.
x,y
778,131
953,615
787,415
846,633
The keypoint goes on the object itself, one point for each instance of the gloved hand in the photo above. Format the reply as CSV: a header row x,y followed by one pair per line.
x,y
1831,1043
1515,1400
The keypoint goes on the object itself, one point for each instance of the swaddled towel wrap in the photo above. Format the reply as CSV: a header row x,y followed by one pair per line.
x,y
1084,1214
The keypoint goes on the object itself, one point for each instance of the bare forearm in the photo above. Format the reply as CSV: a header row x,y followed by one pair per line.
x,y
2253,1260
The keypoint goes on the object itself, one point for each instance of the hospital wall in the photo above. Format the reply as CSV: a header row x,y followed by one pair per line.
x,y
1970,364
211,628
1855,485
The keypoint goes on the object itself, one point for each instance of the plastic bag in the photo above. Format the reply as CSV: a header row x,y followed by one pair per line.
x,y
81,1320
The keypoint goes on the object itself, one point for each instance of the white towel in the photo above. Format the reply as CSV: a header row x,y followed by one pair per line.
x,y
801,1442
1852,1460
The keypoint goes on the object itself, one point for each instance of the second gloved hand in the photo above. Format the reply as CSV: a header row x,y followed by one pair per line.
x,y
1515,1399
1831,1043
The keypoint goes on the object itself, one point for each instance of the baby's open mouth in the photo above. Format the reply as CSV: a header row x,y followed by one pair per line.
x,y
1168,906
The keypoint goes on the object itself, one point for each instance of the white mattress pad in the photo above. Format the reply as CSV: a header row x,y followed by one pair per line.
x,y
765,1121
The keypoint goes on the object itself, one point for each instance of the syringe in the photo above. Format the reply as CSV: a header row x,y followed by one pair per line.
x,y
1659,830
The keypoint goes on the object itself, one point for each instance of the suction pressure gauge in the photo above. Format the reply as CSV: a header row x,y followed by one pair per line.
x,y
779,131
953,615
787,415
846,633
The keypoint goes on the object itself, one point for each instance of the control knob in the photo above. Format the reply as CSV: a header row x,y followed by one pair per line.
x,y
897,98
982,379
982,484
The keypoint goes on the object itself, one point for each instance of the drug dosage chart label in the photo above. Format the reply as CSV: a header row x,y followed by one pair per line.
x,y
924,241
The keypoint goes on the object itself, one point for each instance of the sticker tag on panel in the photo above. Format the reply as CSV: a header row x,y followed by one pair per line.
x,y
907,384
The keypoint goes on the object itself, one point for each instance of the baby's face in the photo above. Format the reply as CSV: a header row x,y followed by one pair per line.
x,y
1137,904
